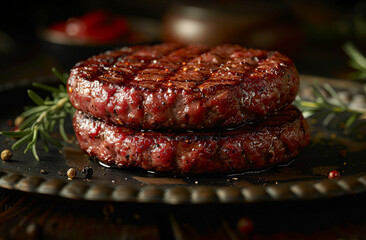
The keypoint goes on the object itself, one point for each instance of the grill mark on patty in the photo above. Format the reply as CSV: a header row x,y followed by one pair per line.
x,y
124,64
204,66
138,61
164,68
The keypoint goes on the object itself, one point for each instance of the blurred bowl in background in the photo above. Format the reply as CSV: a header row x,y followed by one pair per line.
x,y
79,38
256,24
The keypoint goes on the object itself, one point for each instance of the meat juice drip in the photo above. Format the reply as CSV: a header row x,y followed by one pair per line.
x,y
76,158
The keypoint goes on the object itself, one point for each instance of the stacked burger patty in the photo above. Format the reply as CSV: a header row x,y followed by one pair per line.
x,y
188,109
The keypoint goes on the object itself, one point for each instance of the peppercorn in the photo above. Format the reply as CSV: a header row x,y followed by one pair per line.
x,y
18,120
71,173
88,171
6,155
333,174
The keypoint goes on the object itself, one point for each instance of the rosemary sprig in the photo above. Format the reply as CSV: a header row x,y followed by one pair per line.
x,y
322,106
329,108
40,120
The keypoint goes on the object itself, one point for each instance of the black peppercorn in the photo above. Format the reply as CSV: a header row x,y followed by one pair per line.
x,y
88,171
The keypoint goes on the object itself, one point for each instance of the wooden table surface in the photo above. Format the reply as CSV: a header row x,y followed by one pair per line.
x,y
28,216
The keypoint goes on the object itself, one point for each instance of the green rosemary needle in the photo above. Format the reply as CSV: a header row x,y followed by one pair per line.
x,y
357,61
40,120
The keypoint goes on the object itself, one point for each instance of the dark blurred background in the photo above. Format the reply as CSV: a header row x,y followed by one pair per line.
x,y
310,32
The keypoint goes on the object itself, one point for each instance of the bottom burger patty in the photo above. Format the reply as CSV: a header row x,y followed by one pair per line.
x,y
277,139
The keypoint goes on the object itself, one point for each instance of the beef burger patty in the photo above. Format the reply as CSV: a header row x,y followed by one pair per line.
x,y
275,140
183,87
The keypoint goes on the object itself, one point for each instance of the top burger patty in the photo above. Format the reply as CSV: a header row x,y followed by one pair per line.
x,y
183,87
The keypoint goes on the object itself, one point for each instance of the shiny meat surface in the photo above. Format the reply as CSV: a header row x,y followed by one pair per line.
x,y
183,87
275,140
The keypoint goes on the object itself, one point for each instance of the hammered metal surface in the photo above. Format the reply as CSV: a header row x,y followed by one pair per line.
x,y
304,178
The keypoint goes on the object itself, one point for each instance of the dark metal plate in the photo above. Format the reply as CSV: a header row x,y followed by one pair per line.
x,y
303,178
